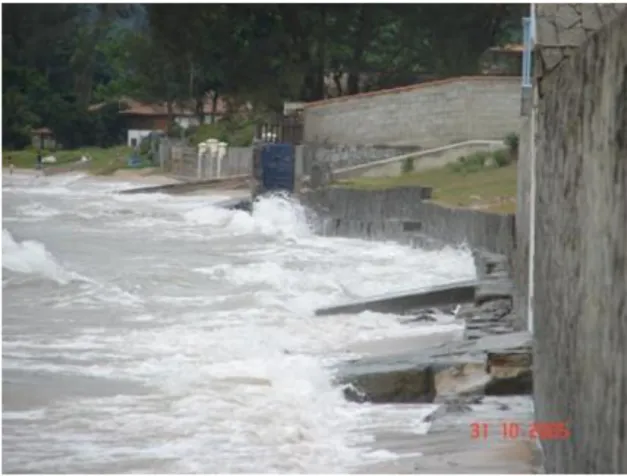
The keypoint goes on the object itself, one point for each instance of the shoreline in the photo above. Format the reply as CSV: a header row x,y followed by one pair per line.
x,y
145,176
447,443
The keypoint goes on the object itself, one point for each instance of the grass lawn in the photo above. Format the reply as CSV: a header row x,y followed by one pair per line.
x,y
103,161
490,189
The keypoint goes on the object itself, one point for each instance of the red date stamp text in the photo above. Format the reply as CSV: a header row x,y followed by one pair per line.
x,y
511,430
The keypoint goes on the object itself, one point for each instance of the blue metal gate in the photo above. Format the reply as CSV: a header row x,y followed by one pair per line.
x,y
277,168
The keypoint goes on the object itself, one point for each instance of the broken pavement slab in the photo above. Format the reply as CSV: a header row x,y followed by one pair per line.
x,y
396,303
493,365
472,291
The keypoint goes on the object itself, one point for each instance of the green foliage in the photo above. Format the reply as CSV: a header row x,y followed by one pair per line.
x,y
512,141
273,52
145,147
100,157
470,164
479,161
408,165
60,58
107,126
501,158
235,133
49,68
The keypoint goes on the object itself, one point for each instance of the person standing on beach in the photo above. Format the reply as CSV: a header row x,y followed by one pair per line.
x,y
40,163
11,166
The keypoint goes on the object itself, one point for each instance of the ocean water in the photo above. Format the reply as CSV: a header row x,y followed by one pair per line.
x,y
151,333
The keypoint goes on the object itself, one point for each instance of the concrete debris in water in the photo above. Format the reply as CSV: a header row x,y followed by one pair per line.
x,y
491,359
398,303
454,369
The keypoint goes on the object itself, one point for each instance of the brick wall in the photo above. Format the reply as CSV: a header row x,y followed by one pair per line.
x,y
425,115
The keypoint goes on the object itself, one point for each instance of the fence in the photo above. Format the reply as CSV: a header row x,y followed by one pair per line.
x,y
189,163
287,129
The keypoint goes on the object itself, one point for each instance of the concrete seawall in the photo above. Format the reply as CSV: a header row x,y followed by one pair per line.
x,y
403,215
458,372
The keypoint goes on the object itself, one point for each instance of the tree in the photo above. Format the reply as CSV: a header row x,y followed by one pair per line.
x,y
57,58
49,68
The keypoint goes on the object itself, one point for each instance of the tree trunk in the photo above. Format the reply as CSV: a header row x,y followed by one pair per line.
x,y
214,106
337,79
170,110
320,69
200,109
356,65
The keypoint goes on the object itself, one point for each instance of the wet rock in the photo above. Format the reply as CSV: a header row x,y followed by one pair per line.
x,y
466,311
521,358
490,264
459,399
510,373
517,382
449,310
422,317
493,289
429,315
425,315
448,408
410,385
496,307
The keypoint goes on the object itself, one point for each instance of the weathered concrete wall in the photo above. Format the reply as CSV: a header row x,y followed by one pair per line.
x,y
422,160
581,257
520,258
182,161
238,161
402,215
340,156
561,29
425,115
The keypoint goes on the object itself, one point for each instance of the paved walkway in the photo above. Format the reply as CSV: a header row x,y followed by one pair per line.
x,y
451,447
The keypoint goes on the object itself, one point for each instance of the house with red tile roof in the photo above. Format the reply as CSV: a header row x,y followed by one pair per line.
x,y
142,118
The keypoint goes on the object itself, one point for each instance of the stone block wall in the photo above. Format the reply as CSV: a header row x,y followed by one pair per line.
x,y
580,303
425,115
563,27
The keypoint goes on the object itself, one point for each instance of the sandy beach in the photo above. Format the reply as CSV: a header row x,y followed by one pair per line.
x,y
145,176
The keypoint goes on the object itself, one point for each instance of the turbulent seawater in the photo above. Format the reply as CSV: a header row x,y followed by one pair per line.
x,y
150,333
